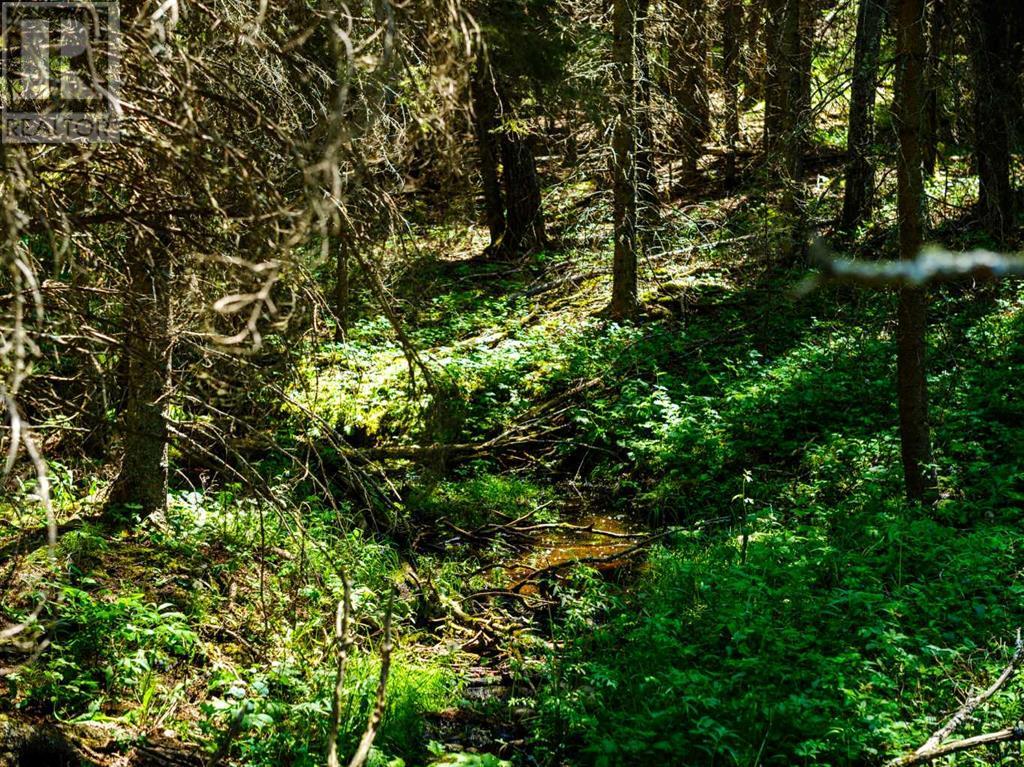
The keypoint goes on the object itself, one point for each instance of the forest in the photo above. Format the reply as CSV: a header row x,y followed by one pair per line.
x,y
511,383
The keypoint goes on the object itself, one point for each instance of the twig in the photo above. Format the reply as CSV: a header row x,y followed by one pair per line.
x,y
576,528
366,742
343,638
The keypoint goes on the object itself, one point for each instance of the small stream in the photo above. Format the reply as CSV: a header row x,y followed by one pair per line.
x,y
562,545
481,724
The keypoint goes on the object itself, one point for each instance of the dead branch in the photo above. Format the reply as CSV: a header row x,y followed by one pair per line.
x,y
343,639
626,553
576,528
528,431
578,277
987,739
932,748
972,703
366,742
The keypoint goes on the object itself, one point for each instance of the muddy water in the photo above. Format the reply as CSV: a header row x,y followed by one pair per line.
x,y
479,725
559,546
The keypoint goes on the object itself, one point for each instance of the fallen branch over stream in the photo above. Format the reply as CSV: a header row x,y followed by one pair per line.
x,y
528,534
576,528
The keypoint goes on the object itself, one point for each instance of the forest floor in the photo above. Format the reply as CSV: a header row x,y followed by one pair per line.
x,y
752,587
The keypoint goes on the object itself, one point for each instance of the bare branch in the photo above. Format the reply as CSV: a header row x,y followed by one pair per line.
x,y
366,742
932,748
343,639
987,739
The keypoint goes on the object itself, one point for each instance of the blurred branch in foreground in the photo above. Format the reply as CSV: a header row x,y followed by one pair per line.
x,y
933,265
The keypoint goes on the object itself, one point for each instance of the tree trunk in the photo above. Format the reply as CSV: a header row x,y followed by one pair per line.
x,y
787,90
732,26
485,110
143,476
776,95
930,142
755,61
688,84
801,79
1015,25
912,392
993,84
524,219
572,147
624,278
860,172
647,181
788,111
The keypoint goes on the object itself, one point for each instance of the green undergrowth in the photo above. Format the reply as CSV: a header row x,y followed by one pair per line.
x,y
802,613
176,626
483,498
836,640
806,615
285,709
799,612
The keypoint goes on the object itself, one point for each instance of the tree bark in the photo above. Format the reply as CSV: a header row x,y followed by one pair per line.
x,y
572,148
912,388
860,172
732,26
801,78
787,90
524,219
993,84
688,85
755,60
930,142
624,272
647,182
143,476
776,94
485,110
788,111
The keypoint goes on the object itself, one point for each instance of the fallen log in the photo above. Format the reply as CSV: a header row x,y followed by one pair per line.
x,y
21,741
616,556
